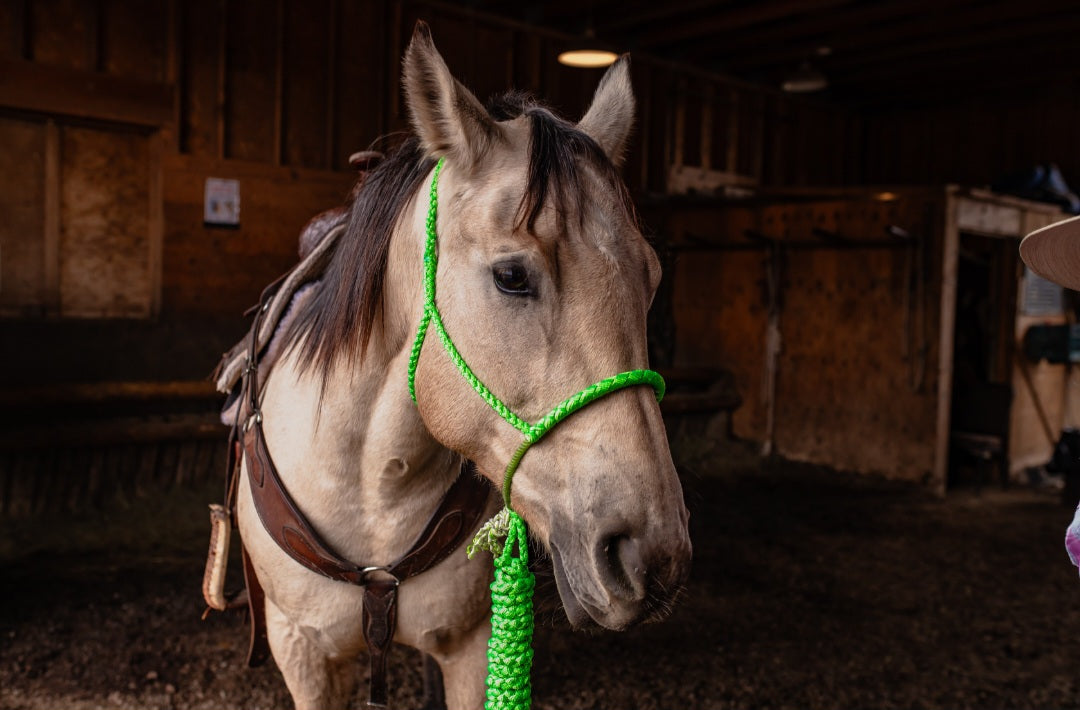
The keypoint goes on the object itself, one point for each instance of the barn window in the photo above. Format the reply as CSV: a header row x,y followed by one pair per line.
x,y
79,238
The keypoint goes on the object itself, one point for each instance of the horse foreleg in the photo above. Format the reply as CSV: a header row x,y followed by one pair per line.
x,y
434,692
316,680
464,670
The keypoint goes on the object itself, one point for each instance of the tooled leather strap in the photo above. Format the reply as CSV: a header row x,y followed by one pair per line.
x,y
379,619
457,517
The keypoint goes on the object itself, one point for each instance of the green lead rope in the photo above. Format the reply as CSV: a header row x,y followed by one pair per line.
x,y
510,651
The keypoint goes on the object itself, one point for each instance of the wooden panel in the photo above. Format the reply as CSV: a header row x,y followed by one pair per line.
x,y
845,394
306,83
856,376
33,87
363,89
13,30
249,128
1039,391
63,32
985,218
200,78
22,230
104,241
219,272
133,39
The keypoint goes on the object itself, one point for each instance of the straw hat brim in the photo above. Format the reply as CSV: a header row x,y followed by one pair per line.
x,y
1053,252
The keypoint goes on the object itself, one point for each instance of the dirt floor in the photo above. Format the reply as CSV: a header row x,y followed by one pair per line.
x,y
810,589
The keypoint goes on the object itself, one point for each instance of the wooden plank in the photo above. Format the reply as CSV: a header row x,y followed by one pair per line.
x,y
104,212
250,81
306,83
135,39
68,393
987,218
279,78
199,79
725,21
101,432
13,19
330,134
29,86
52,218
59,34
360,76
22,202
174,43
92,12
221,105
706,144
732,162
155,221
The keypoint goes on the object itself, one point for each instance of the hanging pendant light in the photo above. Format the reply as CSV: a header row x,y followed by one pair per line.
x,y
804,80
588,53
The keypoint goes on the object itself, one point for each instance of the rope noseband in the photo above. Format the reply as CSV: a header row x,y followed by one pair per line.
x,y
510,646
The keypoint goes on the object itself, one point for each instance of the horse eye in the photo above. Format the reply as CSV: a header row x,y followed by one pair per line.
x,y
511,278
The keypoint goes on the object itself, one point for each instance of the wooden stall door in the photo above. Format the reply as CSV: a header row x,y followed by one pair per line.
x,y
81,234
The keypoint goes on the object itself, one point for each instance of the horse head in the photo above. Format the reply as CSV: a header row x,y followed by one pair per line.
x,y
544,281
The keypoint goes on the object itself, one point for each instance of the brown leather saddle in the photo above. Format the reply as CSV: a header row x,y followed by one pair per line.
x,y
452,523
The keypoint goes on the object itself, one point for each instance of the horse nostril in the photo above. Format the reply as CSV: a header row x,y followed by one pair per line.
x,y
622,566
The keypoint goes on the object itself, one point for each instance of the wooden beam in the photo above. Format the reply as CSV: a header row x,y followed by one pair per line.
x,y
655,12
127,430
1055,30
808,32
79,393
723,22
29,86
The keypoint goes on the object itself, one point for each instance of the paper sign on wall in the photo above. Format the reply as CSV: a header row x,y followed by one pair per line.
x,y
221,205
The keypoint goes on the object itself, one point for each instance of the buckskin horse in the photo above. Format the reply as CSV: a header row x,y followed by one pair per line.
x,y
544,281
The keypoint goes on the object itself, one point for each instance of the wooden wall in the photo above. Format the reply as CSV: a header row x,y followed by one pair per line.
x,y
972,141
856,375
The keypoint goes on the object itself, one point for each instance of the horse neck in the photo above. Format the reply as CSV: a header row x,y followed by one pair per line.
x,y
357,449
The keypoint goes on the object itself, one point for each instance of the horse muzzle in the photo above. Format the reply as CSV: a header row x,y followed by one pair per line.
x,y
617,579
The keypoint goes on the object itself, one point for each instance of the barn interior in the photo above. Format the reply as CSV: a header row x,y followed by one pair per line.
x,y
871,399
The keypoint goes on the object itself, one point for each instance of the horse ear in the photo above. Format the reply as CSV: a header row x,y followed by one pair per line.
x,y
611,115
446,116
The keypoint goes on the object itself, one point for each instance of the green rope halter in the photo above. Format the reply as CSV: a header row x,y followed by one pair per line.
x,y
510,647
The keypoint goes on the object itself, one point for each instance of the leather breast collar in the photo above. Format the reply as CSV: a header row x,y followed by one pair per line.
x,y
455,520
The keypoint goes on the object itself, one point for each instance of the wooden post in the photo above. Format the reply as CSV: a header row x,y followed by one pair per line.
x,y
949,257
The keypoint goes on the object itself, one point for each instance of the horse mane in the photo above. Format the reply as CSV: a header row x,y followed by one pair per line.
x,y
340,317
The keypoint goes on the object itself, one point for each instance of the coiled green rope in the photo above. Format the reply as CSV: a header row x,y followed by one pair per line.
x,y
510,651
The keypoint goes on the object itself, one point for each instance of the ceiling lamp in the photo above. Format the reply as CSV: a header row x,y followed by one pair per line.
x,y
588,54
804,80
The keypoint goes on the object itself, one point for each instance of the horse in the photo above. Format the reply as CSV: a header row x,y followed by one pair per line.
x,y
544,283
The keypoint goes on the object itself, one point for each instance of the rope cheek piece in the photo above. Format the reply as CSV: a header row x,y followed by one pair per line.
x,y
510,646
